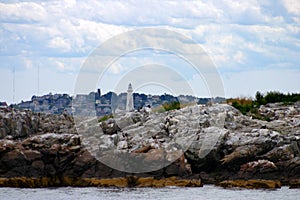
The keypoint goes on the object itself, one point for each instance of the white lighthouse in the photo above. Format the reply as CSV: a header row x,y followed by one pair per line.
x,y
129,102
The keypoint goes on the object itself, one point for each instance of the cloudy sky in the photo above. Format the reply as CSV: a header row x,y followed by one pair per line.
x,y
254,44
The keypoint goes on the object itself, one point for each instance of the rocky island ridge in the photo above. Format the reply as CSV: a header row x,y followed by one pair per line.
x,y
56,150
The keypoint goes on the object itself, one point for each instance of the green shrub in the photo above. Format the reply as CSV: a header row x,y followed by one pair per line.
x,y
243,107
171,106
249,107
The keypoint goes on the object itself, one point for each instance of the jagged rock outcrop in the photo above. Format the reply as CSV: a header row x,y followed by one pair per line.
x,y
217,142
59,155
21,124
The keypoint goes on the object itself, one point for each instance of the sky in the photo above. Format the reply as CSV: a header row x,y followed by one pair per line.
x,y
254,45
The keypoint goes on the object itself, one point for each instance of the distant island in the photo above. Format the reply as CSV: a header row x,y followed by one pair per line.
x,y
102,104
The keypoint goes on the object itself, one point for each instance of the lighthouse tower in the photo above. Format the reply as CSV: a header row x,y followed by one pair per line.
x,y
129,102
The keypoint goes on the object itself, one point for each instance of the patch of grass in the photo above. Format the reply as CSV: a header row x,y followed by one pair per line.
x,y
105,117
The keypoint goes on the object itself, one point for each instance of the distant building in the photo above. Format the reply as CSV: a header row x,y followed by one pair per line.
x,y
129,102
81,97
3,105
24,105
98,95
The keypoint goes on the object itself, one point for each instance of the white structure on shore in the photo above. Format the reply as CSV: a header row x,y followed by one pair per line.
x,y
129,102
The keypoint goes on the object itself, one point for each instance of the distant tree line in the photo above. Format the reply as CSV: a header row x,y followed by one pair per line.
x,y
250,106
274,97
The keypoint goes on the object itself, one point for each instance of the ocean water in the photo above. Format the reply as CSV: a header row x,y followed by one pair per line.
x,y
206,193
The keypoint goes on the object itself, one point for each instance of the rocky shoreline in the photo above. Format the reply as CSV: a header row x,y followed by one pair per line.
x,y
121,182
200,145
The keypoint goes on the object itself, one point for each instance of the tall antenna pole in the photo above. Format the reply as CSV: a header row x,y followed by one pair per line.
x,y
12,107
38,80
14,74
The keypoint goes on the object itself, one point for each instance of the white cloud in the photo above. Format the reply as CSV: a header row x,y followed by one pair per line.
x,y
22,12
60,65
28,63
239,57
97,32
241,12
292,6
116,68
267,33
64,65
239,35
60,43
241,47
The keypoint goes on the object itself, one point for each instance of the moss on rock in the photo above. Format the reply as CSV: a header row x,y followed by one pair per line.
x,y
129,181
251,184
